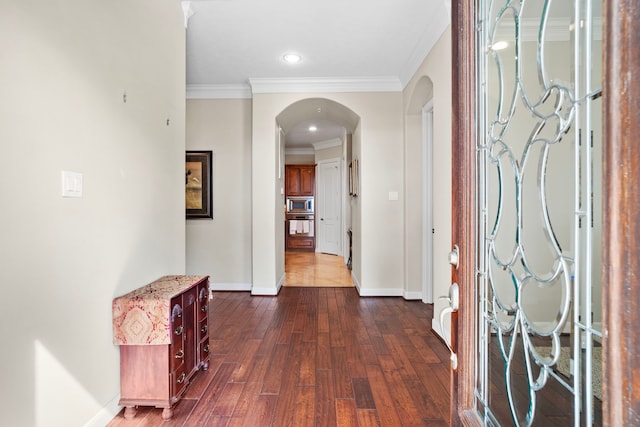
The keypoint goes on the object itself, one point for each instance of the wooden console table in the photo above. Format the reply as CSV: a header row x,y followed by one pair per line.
x,y
162,331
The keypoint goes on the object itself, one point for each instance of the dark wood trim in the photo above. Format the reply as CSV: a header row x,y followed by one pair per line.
x,y
621,213
463,207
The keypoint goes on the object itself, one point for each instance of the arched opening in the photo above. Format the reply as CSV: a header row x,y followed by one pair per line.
x,y
317,134
377,212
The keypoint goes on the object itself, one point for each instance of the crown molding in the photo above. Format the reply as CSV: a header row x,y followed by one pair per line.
x,y
557,29
320,145
299,151
298,85
219,91
322,84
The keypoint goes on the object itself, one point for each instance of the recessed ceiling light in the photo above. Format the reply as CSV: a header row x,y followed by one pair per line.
x,y
312,128
499,45
292,58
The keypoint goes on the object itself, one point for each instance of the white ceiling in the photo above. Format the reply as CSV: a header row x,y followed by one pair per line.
x,y
235,47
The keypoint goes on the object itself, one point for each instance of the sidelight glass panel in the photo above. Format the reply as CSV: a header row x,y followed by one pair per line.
x,y
539,167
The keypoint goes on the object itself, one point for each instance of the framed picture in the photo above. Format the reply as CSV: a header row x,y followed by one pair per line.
x,y
198,184
353,178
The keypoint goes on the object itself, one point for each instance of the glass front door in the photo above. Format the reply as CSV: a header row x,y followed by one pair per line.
x,y
539,352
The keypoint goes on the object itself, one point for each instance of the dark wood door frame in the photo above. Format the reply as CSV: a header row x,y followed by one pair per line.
x,y
621,213
621,210
463,208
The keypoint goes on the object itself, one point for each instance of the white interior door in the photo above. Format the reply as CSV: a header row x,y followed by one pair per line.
x,y
328,207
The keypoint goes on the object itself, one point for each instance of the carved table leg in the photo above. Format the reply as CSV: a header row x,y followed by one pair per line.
x,y
167,413
130,412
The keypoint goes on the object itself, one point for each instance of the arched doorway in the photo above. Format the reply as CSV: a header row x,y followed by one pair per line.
x,y
377,211
317,134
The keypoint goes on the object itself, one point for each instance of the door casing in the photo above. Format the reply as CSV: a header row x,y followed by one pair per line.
x,y
427,203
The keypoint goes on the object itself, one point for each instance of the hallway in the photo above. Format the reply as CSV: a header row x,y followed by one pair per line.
x,y
315,269
315,357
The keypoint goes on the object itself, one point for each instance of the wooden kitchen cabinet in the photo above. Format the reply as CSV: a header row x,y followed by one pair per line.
x,y
301,243
162,331
295,241
300,180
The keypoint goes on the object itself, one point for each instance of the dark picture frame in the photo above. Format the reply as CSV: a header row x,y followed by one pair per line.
x,y
353,178
198,185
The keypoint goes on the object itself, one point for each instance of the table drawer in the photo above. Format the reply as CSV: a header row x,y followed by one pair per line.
x,y
178,380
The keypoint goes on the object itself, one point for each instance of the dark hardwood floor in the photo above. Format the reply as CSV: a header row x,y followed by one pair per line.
x,y
315,357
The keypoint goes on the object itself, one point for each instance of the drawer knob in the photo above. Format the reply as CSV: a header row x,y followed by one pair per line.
x,y
206,348
181,378
204,308
180,354
179,330
204,329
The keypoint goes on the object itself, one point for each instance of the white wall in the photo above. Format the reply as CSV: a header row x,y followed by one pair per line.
x,y
381,172
437,69
221,247
65,67
329,153
266,275
300,159
414,187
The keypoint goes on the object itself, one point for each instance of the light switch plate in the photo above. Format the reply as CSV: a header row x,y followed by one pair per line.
x,y
71,184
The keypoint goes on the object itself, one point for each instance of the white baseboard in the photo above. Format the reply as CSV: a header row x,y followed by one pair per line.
x,y
264,291
355,281
218,286
270,290
388,292
412,295
546,326
283,279
380,292
106,414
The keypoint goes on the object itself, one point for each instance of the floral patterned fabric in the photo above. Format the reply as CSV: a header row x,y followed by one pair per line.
x,y
143,316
